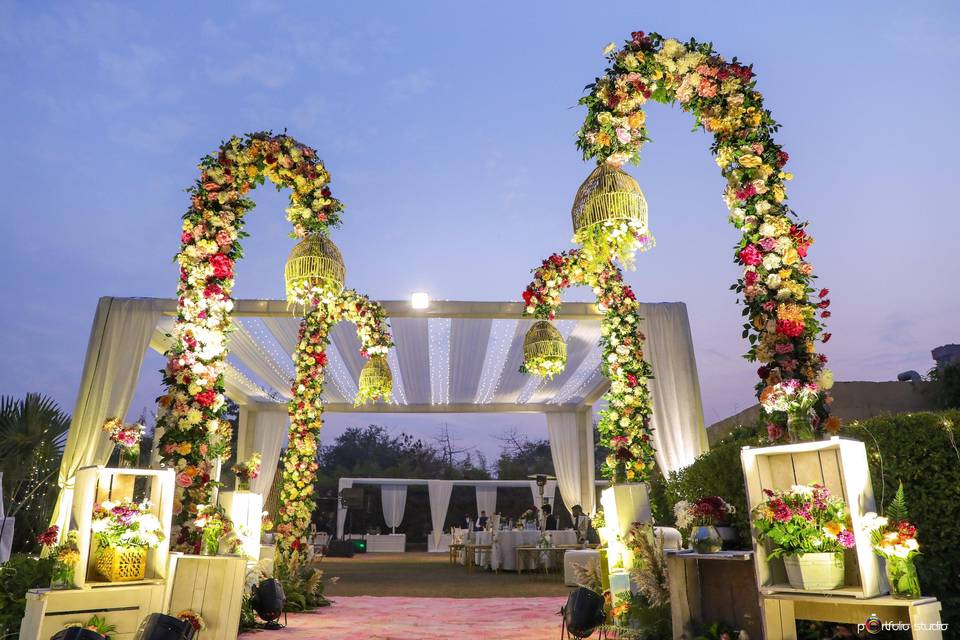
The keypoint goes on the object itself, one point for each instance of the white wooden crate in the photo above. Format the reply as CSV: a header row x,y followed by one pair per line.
x,y
125,606
96,484
841,466
211,586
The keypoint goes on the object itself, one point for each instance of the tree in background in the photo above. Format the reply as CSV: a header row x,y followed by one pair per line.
x,y
33,431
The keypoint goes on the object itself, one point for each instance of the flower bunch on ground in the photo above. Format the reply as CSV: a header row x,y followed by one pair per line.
x,y
784,311
803,519
126,523
191,411
624,424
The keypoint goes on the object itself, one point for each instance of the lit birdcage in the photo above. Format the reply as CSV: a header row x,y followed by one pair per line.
x,y
314,267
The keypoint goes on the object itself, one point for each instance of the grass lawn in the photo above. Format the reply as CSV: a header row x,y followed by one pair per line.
x,y
431,575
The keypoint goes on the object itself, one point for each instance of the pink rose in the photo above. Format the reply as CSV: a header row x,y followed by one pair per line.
x,y
749,255
184,480
623,135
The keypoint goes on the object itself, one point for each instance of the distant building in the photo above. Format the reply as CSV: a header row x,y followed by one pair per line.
x,y
946,354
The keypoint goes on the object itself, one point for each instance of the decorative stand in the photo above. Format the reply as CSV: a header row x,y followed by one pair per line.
x,y
623,505
245,509
841,466
211,586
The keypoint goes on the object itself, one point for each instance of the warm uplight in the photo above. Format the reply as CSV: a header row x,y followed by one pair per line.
x,y
420,300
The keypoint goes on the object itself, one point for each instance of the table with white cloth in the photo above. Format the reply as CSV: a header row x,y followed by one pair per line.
x,y
385,543
439,546
503,555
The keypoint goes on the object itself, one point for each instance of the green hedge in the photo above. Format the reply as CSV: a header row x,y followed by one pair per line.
x,y
921,449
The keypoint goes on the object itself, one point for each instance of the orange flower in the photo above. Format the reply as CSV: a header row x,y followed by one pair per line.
x,y
833,424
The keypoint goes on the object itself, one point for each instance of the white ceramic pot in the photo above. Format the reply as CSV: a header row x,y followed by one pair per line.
x,y
815,571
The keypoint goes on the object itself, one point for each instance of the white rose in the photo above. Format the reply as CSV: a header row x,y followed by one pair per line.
x,y
771,262
773,281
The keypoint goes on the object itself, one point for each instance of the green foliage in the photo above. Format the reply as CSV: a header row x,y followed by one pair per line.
x,y
19,574
948,389
303,587
897,509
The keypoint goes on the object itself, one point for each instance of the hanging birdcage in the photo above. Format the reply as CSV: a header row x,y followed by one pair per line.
x,y
314,267
376,381
610,214
544,351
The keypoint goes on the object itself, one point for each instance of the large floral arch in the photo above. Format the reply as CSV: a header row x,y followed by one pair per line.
x,y
195,434
783,311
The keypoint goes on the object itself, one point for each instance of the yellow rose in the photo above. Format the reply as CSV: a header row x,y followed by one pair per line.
x,y
778,193
749,161
605,117
636,119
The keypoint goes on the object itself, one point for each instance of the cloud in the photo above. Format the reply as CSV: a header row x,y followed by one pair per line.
x,y
409,85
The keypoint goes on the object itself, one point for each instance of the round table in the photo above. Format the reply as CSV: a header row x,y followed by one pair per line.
x,y
504,556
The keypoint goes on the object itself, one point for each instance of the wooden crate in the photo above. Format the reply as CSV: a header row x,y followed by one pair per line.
x,y
211,586
841,466
96,484
125,606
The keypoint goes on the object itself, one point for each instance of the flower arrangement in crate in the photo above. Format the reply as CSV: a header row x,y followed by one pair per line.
x,y
124,531
216,528
247,470
894,539
65,554
702,521
127,437
809,529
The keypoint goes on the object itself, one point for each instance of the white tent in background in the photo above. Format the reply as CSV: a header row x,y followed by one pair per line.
x,y
452,357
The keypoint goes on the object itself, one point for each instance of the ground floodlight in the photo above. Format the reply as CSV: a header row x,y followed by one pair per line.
x,y
159,626
268,600
583,612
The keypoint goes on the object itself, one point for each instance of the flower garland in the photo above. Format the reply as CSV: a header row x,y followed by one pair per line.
x,y
191,411
625,422
784,312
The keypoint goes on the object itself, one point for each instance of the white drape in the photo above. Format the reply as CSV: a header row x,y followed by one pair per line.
x,y
565,451
486,499
268,430
439,492
549,492
678,431
344,483
121,332
394,500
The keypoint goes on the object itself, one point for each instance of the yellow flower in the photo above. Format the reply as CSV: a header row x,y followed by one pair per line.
x,y
610,48
791,256
778,193
602,139
251,171
750,160
636,119
605,117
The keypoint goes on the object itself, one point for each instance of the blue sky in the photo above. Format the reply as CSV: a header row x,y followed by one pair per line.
x,y
449,131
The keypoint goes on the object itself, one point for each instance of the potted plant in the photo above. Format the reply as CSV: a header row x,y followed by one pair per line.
x,y
796,399
246,471
704,520
894,539
124,531
809,529
127,437
65,555
216,527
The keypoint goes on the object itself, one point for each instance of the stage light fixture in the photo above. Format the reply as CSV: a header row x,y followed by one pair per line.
x,y
583,612
159,626
76,633
267,600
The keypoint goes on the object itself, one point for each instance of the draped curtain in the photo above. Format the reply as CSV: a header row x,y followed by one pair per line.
x,y
118,340
268,430
344,483
394,500
486,499
565,451
678,431
439,492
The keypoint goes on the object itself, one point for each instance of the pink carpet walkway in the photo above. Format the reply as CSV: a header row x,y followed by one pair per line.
x,y
383,618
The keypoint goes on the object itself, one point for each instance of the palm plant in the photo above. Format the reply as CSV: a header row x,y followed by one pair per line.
x,y
32,434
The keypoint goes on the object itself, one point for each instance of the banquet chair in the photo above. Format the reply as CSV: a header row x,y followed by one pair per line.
x,y
471,554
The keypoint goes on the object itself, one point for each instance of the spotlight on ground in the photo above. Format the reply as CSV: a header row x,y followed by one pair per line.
x,y
76,633
159,626
583,612
268,600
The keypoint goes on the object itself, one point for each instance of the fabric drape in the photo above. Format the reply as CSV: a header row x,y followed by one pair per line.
x,y
678,431
549,493
394,500
439,492
344,483
269,429
486,499
118,340
565,452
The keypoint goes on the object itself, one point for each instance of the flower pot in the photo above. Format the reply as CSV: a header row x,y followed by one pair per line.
x,y
62,576
729,536
902,576
799,426
243,484
815,571
706,539
122,564
210,541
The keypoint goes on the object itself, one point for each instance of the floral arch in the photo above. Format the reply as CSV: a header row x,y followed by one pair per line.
x,y
191,412
783,311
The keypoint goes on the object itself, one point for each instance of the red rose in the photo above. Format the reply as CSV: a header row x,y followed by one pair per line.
x,y
222,266
206,398
826,337
823,293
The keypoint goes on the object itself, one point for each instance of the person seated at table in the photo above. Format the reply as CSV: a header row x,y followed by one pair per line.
x,y
581,523
481,521
549,520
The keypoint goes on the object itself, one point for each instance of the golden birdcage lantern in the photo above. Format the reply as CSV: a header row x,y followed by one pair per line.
x,y
376,381
314,266
544,351
610,203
